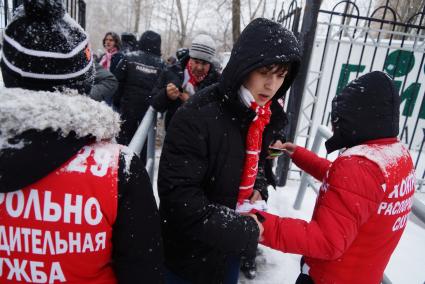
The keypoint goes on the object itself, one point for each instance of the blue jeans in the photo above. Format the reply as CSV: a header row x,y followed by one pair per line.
x,y
231,273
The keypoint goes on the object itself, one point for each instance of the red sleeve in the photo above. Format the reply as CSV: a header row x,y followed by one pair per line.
x,y
310,162
353,195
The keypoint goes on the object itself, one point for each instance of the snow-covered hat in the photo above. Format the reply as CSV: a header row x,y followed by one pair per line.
x,y
45,49
203,47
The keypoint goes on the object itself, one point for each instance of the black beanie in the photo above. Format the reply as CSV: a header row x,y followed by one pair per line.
x,y
45,49
368,108
150,42
129,42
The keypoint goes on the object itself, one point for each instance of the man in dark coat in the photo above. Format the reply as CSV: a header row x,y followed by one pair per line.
x,y
137,74
202,161
192,72
57,157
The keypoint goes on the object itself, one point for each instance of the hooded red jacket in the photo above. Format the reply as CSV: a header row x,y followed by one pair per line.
x,y
359,217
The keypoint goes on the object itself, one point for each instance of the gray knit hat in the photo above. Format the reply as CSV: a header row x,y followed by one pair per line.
x,y
203,47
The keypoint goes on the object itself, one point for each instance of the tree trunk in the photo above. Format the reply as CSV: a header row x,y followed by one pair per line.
x,y
182,38
138,4
236,19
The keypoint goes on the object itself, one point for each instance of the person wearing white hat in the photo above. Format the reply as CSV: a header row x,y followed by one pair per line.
x,y
191,73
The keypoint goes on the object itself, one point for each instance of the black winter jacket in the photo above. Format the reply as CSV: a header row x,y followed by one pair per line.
x,y
137,74
115,59
175,74
203,155
137,246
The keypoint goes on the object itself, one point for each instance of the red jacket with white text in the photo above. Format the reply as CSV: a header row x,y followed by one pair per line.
x,y
359,217
59,229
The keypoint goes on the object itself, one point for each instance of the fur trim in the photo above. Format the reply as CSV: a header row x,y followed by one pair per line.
x,y
22,110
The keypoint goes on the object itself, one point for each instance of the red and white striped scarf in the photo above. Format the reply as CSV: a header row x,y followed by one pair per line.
x,y
191,81
254,140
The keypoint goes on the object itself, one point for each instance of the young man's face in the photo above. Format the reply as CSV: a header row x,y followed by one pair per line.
x,y
264,82
200,67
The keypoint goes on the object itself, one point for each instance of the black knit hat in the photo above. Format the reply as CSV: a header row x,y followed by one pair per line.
x,y
368,108
45,49
150,42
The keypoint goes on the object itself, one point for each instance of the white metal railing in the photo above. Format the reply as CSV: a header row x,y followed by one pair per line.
x,y
306,180
146,129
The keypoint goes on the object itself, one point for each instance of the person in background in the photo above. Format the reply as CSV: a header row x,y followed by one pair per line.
x,y
129,42
171,60
211,161
366,194
192,72
137,74
182,54
112,56
105,85
85,202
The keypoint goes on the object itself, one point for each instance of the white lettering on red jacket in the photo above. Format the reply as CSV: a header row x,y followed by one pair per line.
x,y
59,229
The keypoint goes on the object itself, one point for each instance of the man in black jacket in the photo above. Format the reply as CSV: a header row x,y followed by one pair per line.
x,y
137,74
202,162
191,73
57,157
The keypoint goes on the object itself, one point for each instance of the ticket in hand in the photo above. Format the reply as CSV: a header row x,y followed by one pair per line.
x,y
246,206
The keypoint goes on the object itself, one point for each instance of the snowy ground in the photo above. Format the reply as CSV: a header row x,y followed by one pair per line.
x,y
406,265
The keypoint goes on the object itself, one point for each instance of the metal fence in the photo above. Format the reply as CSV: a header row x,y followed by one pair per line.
x,y
290,17
146,131
76,8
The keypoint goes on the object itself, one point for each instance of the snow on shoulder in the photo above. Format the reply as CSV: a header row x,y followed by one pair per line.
x,y
382,155
22,110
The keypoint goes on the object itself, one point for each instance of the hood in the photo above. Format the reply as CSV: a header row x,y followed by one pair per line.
x,y
150,42
368,108
39,131
263,42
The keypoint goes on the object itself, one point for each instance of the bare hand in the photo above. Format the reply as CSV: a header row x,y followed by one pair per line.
x,y
255,197
172,91
184,96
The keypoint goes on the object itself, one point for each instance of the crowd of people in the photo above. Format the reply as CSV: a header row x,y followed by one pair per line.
x,y
77,206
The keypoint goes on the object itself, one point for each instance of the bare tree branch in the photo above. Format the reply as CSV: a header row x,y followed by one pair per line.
x,y
252,16
236,19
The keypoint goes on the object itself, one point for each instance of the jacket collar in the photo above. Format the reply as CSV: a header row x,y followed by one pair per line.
x,y
23,110
382,141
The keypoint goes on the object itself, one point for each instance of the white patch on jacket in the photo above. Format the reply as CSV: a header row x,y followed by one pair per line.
x,y
22,110
383,155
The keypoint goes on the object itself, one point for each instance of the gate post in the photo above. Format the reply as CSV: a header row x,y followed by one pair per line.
x,y
307,35
82,13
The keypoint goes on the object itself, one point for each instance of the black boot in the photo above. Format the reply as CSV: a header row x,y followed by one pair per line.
x,y
249,267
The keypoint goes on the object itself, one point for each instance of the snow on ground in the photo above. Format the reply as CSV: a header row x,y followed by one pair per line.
x,y
275,267
406,265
